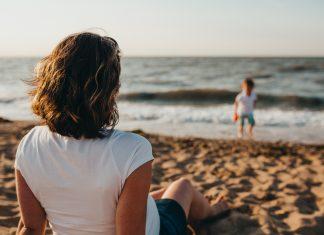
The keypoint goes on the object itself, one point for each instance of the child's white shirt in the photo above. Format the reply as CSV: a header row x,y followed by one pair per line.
x,y
245,102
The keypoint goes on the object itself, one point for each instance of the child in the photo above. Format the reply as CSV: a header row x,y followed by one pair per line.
x,y
243,107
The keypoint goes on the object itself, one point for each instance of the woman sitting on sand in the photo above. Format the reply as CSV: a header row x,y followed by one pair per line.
x,y
77,171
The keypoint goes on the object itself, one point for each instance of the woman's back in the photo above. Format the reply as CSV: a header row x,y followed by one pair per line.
x,y
78,182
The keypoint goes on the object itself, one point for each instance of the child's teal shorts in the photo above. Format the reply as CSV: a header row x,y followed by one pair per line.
x,y
249,118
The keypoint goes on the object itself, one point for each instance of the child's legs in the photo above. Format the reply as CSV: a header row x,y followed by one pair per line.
x,y
250,130
240,127
251,124
240,130
194,204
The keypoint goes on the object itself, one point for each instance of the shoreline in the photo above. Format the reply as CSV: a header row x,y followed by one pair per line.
x,y
272,187
211,131
228,132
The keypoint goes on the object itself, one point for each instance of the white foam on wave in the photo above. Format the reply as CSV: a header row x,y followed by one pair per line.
x,y
210,122
215,122
217,114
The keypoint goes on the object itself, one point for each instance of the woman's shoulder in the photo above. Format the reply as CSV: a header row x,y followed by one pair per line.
x,y
30,135
129,138
26,145
130,151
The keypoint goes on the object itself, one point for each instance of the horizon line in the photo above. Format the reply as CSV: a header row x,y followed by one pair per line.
x,y
185,56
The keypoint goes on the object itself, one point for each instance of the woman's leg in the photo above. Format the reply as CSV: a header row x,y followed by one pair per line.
x,y
194,204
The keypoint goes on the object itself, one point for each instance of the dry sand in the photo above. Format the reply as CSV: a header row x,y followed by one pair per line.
x,y
273,188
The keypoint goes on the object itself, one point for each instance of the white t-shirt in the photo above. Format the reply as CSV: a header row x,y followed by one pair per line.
x,y
78,182
245,103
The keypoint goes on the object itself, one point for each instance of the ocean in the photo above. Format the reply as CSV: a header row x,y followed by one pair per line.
x,y
193,96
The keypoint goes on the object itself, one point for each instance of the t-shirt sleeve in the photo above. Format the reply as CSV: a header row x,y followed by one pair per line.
x,y
130,152
23,163
254,97
19,158
142,155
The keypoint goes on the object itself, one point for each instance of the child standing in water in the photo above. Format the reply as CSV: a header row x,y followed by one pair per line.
x,y
243,107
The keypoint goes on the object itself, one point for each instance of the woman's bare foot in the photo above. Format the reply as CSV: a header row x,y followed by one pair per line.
x,y
220,206
219,209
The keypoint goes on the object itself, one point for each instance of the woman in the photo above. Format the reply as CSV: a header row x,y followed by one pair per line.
x,y
77,171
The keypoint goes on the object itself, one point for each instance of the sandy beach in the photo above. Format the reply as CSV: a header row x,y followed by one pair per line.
x,y
272,188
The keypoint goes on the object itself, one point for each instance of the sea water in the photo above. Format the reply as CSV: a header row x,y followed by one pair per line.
x,y
193,96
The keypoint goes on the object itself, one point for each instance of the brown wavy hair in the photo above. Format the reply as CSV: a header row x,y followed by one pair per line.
x,y
75,87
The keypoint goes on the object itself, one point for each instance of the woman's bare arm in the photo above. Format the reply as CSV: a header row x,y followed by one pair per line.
x,y
132,203
33,216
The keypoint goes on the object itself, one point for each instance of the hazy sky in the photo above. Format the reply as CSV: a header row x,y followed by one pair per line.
x,y
168,27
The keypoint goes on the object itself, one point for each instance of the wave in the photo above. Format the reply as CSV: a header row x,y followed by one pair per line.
x,y
302,68
217,97
11,100
222,114
212,97
261,76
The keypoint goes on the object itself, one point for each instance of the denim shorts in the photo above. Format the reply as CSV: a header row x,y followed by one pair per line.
x,y
249,118
173,219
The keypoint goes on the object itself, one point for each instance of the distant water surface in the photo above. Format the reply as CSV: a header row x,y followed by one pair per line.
x,y
193,96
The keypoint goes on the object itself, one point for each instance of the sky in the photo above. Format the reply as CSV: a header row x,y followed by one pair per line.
x,y
168,27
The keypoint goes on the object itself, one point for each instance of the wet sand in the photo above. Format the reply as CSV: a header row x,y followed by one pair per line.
x,y
272,188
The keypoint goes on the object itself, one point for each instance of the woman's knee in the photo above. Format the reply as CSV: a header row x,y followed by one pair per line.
x,y
183,184
181,191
